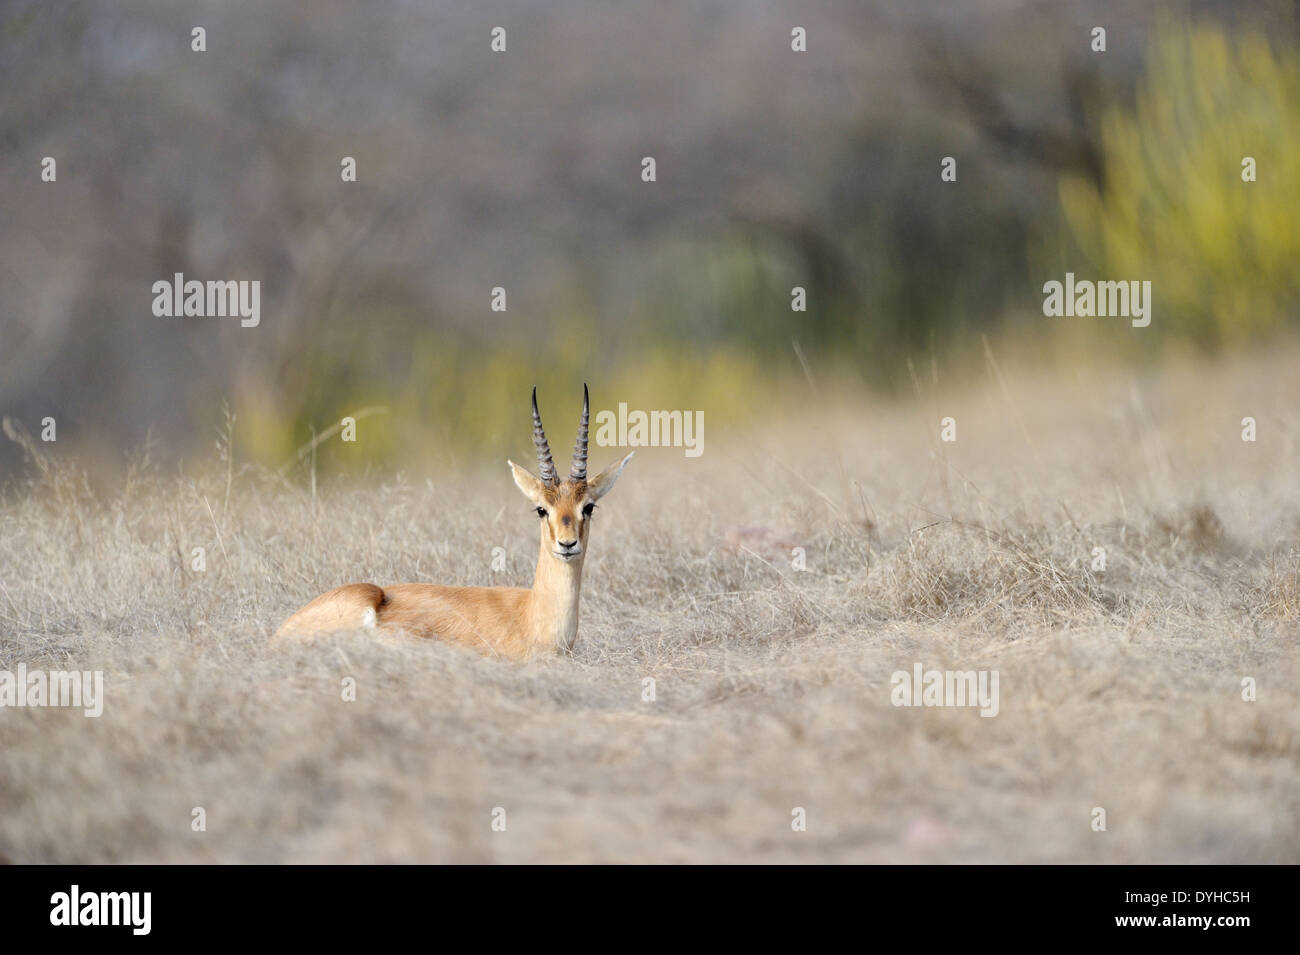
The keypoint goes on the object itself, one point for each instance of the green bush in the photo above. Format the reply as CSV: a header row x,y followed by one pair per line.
x,y
1221,253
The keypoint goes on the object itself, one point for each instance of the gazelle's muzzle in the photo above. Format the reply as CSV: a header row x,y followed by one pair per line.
x,y
568,550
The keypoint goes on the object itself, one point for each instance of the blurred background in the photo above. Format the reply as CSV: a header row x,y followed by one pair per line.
x,y
522,170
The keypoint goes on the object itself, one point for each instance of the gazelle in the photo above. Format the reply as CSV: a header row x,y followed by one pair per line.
x,y
509,622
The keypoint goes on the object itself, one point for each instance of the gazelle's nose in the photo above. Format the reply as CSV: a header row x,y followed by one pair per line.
x,y
568,545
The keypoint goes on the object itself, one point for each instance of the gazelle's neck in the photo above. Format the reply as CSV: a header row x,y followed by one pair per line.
x,y
554,602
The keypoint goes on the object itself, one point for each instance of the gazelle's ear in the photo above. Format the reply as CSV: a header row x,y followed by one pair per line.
x,y
603,482
531,485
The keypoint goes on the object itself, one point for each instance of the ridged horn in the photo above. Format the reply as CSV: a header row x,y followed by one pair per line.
x,y
545,465
578,470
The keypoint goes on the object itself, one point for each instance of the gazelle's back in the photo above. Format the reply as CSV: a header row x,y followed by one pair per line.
x,y
471,616
464,615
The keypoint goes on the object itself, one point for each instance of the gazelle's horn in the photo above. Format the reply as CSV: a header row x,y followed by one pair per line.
x,y
545,465
578,470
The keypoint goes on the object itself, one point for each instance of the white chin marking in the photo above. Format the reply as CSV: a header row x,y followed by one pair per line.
x,y
368,619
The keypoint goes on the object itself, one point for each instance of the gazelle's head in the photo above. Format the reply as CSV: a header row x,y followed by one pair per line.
x,y
565,507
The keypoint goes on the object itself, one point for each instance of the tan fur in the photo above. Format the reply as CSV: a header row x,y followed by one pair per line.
x,y
507,622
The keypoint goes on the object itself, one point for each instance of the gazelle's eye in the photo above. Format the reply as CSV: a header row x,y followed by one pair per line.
x,y
541,512
587,509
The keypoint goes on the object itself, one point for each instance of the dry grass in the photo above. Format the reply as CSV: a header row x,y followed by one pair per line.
x,y
1119,689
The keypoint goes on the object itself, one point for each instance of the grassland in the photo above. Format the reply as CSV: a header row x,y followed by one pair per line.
x,y
1120,689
